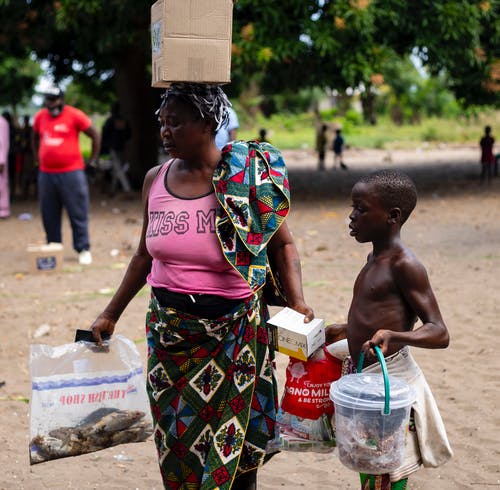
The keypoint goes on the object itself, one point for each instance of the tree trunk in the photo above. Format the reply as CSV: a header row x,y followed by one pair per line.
x,y
138,102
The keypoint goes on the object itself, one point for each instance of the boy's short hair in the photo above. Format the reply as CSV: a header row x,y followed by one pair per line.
x,y
395,189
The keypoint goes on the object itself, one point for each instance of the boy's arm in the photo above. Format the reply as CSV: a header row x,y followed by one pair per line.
x,y
413,282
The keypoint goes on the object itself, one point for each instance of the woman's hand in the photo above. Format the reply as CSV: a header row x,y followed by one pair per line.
x,y
335,332
102,324
306,310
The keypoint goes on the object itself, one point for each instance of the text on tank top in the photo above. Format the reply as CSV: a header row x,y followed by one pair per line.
x,y
181,239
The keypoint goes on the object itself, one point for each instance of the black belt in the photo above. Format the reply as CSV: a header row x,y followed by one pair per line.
x,y
208,306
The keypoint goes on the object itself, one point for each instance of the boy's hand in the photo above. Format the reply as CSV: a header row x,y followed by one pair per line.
x,y
335,332
382,338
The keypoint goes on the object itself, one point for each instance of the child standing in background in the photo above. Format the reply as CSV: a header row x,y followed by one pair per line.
x,y
487,157
391,292
321,146
262,136
338,150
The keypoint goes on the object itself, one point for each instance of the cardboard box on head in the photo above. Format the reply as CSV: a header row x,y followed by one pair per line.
x,y
191,41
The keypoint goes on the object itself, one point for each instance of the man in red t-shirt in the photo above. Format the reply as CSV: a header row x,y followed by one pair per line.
x,y
61,179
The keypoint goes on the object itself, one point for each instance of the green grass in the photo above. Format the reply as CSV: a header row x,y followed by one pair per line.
x,y
283,131
298,131
431,131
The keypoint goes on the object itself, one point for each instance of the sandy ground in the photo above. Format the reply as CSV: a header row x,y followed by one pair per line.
x,y
455,231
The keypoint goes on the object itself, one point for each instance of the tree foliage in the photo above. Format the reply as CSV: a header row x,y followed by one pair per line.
x,y
277,46
17,78
342,43
104,46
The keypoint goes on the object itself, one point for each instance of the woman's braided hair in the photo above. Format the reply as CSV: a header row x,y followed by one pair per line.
x,y
209,100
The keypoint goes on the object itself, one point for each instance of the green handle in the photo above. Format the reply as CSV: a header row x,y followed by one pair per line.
x,y
376,348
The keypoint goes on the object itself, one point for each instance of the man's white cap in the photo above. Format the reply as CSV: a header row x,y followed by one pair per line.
x,y
52,91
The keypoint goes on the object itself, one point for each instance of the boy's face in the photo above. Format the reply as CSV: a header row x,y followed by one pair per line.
x,y
369,218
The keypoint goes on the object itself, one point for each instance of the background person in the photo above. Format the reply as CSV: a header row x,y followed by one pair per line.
x,y
12,157
321,142
61,179
228,131
29,171
487,156
338,150
116,132
208,352
4,168
263,136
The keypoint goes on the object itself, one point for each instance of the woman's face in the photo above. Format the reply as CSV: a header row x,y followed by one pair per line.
x,y
182,129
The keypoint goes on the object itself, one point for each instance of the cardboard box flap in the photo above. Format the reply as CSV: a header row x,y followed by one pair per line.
x,y
194,18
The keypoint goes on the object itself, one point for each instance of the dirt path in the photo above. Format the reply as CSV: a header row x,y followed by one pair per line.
x,y
455,231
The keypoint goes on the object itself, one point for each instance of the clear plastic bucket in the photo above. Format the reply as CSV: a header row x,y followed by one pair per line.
x,y
372,412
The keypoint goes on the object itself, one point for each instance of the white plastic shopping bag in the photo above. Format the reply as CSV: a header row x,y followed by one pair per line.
x,y
84,399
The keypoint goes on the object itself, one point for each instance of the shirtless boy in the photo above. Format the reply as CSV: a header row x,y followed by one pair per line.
x,y
391,292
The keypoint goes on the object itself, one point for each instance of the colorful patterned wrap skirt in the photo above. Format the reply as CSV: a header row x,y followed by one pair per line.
x,y
213,393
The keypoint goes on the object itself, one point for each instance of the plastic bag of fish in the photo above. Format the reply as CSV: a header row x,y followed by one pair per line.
x,y
84,399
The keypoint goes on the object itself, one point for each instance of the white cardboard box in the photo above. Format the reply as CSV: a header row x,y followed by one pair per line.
x,y
45,258
291,336
191,41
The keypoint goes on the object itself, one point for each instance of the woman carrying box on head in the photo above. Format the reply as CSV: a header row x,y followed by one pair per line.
x,y
210,382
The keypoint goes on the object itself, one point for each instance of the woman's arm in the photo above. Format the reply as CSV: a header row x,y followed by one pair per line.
x,y
134,278
284,255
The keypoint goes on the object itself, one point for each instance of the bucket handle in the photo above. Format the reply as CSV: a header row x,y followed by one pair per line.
x,y
376,348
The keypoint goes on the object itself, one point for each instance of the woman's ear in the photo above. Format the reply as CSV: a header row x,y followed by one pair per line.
x,y
208,126
394,216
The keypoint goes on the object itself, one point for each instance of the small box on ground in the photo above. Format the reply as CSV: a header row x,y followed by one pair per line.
x,y
45,258
291,336
191,41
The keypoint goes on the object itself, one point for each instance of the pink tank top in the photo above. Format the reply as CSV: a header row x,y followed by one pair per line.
x,y
181,238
